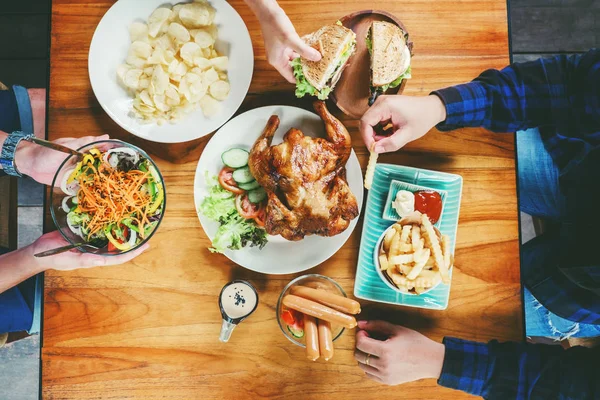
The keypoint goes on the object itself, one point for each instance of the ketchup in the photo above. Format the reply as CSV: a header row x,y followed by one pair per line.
x,y
430,203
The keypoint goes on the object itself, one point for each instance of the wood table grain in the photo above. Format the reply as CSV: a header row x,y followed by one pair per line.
x,y
149,329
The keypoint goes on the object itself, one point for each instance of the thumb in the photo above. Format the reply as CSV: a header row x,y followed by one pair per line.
x,y
379,326
392,143
305,51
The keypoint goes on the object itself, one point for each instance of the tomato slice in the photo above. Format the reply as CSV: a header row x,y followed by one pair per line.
x,y
261,216
111,246
245,207
292,318
227,182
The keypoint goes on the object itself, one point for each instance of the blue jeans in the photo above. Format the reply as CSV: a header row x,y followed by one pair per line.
x,y
540,196
20,306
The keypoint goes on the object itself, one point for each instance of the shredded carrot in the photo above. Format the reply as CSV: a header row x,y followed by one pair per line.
x,y
109,196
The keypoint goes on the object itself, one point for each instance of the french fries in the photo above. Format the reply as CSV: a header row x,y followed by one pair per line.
x,y
414,255
370,171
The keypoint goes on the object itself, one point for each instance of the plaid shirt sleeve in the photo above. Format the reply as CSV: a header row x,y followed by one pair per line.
x,y
520,371
520,96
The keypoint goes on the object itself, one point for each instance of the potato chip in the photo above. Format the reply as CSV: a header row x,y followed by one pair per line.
x,y
202,63
196,15
219,90
210,76
178,33
160,80
220,63
135,61
122,70
203,39
132,78
210,106
188,51
140,49
138,31
157,19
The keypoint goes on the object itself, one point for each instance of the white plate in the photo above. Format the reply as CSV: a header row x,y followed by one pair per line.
x,y
279,256
109,48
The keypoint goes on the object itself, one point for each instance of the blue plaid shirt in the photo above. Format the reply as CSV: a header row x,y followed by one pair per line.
x,y
560,96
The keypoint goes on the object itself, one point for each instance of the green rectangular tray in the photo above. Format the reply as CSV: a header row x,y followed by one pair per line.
x,y
368,284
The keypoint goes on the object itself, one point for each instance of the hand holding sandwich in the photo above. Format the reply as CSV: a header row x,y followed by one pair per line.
x,y
282,43
411,118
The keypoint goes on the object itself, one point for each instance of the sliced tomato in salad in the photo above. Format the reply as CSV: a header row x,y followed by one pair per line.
x,y
245,207
292,318
111,246
227,182
261,217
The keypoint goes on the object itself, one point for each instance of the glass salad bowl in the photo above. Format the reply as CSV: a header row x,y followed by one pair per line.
x,y
314,281
109,202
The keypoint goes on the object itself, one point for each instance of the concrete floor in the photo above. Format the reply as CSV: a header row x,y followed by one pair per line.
x,y
539,28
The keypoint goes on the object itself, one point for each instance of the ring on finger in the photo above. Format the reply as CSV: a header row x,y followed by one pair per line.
x,y
367,359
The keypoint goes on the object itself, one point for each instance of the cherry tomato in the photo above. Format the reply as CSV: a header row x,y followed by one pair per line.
x,y
227,182
245,207
261,216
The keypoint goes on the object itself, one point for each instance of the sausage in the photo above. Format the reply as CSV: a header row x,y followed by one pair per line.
x,y
319,311
312,337
325,340
328,299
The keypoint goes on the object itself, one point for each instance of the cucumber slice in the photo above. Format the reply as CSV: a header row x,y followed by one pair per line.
x,y
235,158
243,175
296,331
249,185
257,195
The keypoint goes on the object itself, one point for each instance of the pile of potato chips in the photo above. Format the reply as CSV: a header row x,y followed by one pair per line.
x,y
172,66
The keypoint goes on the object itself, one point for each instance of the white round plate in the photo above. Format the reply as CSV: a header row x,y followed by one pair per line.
x,y
279,256
109,49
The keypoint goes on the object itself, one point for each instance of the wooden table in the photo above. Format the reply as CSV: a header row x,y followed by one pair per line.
x,y
148,329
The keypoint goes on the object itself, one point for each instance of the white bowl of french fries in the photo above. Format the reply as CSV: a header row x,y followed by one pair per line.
x,y
412,256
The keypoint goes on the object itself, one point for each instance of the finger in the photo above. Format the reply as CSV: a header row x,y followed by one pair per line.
x,y
369,345
95,260
305,51
367,133
287,73
392,143
378,112
374,377
294,55
361,357
369,370
378,326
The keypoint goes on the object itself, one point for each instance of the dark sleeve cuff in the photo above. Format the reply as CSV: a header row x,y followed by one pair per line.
x,y
9,112
466,106
467,366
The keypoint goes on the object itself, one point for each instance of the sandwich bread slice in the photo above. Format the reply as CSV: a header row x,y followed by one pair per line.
x,y
390,57
336,44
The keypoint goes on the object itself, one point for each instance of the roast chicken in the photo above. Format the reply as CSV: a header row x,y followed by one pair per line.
x,y
305,179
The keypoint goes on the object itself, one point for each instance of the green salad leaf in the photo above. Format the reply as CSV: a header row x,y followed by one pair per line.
x,y
234,231
406,75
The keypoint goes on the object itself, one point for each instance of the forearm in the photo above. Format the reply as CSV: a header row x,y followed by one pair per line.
x,y
23,156
263,8
17,266
521,96
518,370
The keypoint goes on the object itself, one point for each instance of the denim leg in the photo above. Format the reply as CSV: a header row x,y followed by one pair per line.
x,y
539,193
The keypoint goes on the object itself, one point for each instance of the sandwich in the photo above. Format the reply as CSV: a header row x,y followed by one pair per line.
x,y
336,44
390,57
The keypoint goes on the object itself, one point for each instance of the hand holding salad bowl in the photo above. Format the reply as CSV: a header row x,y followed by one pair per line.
x,y
109,202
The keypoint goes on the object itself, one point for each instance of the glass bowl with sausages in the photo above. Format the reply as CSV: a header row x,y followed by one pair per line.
x,y
313,311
